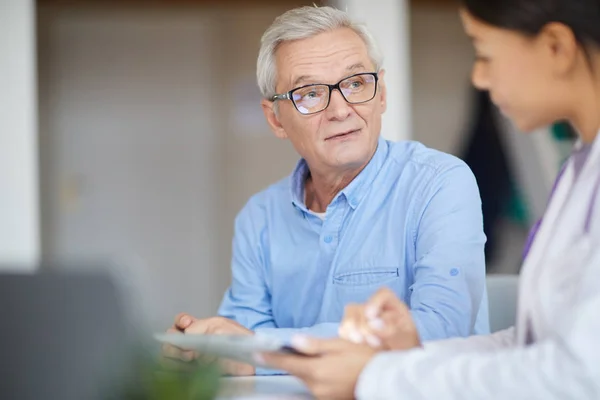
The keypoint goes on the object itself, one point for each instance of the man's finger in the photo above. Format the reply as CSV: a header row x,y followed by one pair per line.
x,y
206,359
201,327
235,368
173,330
169,351
183,321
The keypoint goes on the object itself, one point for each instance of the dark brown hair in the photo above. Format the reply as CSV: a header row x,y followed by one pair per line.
x,y
530,16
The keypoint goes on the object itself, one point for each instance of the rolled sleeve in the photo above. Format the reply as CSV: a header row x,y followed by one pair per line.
x,y
449,272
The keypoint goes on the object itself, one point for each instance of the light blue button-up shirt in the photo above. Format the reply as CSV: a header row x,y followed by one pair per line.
x,y
410,221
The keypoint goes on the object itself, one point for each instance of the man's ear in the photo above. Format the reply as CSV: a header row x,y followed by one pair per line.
x,y
382,90
268,108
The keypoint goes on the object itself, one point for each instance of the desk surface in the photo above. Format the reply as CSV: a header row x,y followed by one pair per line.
x,y
263,388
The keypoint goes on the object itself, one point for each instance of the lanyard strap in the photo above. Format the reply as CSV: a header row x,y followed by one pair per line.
x,y
588,220
591,209
536,227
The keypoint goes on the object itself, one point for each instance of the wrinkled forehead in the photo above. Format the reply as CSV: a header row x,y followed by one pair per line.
x,y
324,58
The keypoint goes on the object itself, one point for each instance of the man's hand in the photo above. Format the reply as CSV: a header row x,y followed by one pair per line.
x,y
210,326
331,371
384,322
186,324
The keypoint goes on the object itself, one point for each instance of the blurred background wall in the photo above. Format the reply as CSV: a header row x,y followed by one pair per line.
x,y
152,139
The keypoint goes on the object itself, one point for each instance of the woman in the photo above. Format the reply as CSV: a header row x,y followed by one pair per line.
x,y
540,61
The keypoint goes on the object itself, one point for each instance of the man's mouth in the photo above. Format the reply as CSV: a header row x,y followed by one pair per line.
x,y
342,135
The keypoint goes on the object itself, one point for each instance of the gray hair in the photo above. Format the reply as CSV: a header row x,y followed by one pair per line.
x,y
303,23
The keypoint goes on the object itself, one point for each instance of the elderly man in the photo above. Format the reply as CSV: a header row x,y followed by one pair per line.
x,y
357,213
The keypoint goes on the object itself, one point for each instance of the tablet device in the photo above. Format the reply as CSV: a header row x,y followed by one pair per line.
x,y
235,347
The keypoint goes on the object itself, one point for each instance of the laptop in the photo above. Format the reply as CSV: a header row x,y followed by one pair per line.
x,y
63,335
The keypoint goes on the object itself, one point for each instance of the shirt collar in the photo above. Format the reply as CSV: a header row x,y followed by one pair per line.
x,y
297,184
355,191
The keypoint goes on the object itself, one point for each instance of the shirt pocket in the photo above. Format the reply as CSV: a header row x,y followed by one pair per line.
x,y
358,286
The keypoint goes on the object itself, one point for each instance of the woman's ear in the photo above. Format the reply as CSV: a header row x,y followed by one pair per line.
x,y
562,46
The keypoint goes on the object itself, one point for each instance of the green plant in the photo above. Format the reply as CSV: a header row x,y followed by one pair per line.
x,y
152,380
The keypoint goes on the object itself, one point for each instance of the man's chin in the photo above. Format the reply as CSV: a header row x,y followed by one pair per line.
x,y
348,160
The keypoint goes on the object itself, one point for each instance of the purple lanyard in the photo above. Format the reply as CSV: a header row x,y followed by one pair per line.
x,y
536,227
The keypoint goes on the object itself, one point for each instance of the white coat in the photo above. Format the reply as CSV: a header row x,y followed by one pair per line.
x,y
559,299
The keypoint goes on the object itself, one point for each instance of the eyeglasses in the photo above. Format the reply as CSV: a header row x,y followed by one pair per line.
x,y
311,99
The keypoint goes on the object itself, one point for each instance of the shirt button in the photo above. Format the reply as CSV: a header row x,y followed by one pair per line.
x,y
454,272
328,239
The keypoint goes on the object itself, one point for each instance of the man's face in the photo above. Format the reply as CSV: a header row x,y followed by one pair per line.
x,y
343,136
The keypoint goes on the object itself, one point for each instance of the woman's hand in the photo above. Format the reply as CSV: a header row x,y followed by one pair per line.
x,y
383,322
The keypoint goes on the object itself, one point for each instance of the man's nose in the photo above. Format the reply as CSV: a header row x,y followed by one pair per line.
x,y
338,108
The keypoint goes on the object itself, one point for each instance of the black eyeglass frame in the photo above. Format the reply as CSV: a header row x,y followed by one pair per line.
x,y
288,95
